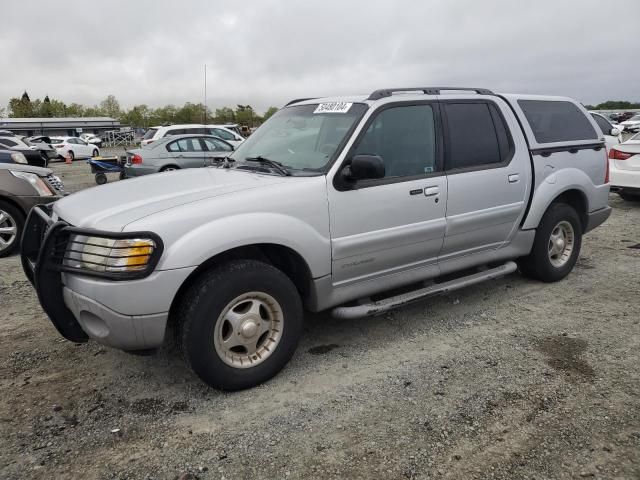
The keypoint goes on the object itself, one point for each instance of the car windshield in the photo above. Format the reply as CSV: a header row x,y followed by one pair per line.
x,y
150,133
303,137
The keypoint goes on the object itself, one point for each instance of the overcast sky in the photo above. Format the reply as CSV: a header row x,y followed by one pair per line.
x,y
267,52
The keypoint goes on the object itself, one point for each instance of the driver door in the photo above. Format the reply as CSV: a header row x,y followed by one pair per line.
x,y
388,231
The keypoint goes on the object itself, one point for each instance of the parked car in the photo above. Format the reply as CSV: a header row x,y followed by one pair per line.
x,y
10,156
74,147
34,156
176,152
22,187
92,139
156,133
612,134
625,168
333,203
45,149
632,124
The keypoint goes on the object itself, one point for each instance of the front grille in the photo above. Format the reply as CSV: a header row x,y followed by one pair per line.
x,y
55,182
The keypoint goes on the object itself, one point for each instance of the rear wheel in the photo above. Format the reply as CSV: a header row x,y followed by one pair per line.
x,y
169,168
11,225
72,155
95,153
239,324
556,246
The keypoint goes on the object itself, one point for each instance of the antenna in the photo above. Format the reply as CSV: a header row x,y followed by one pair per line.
x,y
205,96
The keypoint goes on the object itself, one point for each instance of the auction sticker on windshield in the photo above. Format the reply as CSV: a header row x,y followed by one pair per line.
x,y
333,107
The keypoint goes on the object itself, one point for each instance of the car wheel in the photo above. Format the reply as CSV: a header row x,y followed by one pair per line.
x,y
95,153
11,225
556,246
169,168
239,324
72,155
101,178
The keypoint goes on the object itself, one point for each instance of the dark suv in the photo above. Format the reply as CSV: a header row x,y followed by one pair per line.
x,y
22,187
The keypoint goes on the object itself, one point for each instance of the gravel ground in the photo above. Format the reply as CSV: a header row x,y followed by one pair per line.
x,y
510,379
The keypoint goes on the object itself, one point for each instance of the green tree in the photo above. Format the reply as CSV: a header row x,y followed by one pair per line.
x,y
224,115
21,107
245,115
270,111
110,107
72,110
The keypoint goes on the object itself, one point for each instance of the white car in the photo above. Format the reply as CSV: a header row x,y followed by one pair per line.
x,y
612,134
632,125
624,168
74,147
92,139
156,133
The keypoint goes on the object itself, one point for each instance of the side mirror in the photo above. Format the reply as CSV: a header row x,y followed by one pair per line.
x,y
365,167
614,132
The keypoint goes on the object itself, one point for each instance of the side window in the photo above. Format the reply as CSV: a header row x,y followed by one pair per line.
x,y
194,131
173,147
603,124
214,145
557,121
223,134
185,145
476,135
176,131
405,138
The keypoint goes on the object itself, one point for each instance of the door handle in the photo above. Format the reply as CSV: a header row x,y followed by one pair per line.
x,y
431,191
514,177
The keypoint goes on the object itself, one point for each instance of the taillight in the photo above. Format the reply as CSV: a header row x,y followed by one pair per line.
x,y
618,155
59,146
137,159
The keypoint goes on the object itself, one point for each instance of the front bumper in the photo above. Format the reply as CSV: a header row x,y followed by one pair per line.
x,y
129,314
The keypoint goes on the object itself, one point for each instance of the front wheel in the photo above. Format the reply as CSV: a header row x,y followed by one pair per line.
x,y
11,226
95,153
239,324
556,246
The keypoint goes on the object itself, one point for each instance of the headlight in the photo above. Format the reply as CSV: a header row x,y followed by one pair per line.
x,y
109,255
37,183
19,158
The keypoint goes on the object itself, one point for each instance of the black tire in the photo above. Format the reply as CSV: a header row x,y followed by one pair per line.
x,y
72,155
629,197
17,218
203,305
537,264
95,153
101,178
123,175
169,168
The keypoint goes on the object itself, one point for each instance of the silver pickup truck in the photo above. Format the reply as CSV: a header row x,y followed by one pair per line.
x,y
356,204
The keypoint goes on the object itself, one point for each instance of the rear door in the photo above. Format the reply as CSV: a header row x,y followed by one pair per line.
x,y
488,172
187,152
385,229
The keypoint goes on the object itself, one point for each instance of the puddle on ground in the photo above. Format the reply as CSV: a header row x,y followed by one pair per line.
x,y
322,349
564,353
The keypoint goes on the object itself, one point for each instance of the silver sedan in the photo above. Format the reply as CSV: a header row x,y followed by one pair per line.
x,y
176,152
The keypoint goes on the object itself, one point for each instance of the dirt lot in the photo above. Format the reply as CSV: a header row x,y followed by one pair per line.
x,y
509,379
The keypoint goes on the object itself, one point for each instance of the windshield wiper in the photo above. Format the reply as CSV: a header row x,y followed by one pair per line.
x,y
277,166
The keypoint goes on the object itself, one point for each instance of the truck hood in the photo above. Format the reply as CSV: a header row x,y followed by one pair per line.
x,y
112,206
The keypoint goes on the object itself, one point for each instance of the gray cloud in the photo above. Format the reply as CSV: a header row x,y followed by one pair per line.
x,y
267,52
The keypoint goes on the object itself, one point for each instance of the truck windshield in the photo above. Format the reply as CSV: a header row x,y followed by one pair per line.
x,y
303,137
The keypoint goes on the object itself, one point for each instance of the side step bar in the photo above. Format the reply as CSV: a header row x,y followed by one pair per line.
x,y
382,306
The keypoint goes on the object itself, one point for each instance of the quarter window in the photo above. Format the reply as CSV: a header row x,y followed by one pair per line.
x,y
477,135
405,138
603,124
557,121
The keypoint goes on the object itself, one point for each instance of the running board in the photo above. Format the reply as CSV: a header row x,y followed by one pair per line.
x,y
382,306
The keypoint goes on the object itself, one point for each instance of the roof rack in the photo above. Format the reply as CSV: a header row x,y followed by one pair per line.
x,y
299,100
387,92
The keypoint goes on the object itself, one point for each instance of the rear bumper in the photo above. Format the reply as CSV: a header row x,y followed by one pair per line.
x,y
597,218
139,171
621,179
